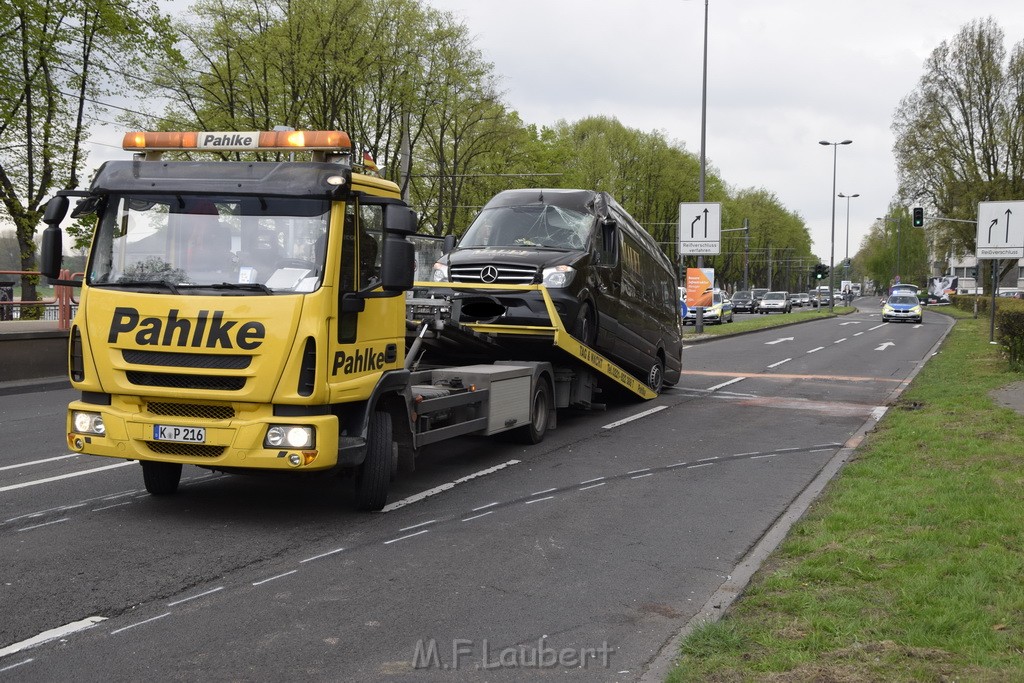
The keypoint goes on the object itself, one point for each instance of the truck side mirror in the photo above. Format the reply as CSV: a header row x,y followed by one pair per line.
x,y
400,220
398,264
52,251
448,244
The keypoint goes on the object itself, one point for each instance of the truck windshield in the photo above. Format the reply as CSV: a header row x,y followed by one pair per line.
x,y
533,225
210,244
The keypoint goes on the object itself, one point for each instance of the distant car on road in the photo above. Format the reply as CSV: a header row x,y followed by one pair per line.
x,y
743,300
720,310
775,301
801,299
758,294
902,306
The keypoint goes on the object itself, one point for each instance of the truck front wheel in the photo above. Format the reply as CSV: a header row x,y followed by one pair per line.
x,y
375,473
161,478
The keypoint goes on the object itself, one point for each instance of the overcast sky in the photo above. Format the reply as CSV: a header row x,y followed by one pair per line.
x,y
782,75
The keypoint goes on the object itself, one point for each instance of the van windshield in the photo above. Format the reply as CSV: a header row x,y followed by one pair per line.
x,y
535,225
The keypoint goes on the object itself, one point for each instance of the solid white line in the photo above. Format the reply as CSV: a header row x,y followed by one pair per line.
x,y
125,628
775,365
641,476
708,459
678,464
66,476
402,538
108,507
484,507
273,578
36,526
740,455
537,500
444,487
38,462
321,555
877,326
195,597
820,450
416,526
592,486
725,384
541,493
817,349
634,417
693,467
784,450
591,481
644,469
483,514
15,666
53,633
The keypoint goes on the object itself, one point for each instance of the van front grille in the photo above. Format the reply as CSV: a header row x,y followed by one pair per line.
x,y
494,273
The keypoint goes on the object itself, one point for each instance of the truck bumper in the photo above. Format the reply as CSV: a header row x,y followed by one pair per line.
x,y
233,435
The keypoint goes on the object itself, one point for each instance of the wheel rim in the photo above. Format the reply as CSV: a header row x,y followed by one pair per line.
x,y
655,377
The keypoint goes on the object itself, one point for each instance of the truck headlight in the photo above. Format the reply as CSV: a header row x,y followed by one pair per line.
x,y
88,423
558,276
289,436
439,273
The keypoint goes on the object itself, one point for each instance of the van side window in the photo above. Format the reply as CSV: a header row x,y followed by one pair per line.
x,y
608,244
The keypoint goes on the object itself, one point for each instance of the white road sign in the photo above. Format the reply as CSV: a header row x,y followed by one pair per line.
x,y
700,228
1000,230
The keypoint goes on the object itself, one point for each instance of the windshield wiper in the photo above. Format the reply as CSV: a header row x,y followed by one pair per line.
x,y
247,286
166,284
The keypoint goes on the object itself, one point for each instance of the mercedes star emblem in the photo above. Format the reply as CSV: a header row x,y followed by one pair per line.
x,y
489,274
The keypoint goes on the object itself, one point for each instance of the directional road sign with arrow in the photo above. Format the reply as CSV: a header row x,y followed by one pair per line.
x,y
700,228
1000,230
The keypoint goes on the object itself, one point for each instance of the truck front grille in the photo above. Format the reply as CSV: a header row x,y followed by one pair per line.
x,y
179,359
494,273
173,381
191,450
198,410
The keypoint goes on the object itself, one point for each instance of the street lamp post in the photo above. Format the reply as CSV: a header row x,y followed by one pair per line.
x,y
846,261
832,253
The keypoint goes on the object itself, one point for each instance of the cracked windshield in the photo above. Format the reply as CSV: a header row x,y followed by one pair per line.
x,y
530,226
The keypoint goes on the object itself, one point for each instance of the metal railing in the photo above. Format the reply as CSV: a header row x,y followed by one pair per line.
x,y
60,308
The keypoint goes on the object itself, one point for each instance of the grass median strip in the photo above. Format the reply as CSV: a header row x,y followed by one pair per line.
x,y
909,567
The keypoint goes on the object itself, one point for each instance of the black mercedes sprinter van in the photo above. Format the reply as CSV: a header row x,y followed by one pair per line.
x,y
612,285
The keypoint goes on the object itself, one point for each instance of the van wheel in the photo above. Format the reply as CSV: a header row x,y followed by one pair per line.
x,y
584,327
375,473
540,409
161,478
656,376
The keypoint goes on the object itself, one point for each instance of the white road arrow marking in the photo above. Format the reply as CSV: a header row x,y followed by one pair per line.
x,y
777,341
850,322
884,345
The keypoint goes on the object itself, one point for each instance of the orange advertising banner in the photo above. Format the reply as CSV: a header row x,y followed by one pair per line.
x,y
699,287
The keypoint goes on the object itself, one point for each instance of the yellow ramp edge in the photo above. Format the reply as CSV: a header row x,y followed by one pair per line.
x,y
560,337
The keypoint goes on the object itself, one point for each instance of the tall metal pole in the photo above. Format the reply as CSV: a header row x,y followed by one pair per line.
x,y
846,261
832,254
699,323
746,253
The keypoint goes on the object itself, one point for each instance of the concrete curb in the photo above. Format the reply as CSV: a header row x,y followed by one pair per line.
x,y
28,386
720,601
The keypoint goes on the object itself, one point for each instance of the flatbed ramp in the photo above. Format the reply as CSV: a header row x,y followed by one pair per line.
x,y
435,338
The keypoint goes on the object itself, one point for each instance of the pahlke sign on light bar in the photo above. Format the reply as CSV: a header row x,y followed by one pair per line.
x,y
249,140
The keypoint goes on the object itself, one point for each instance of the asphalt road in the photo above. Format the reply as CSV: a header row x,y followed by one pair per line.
x,y
580,557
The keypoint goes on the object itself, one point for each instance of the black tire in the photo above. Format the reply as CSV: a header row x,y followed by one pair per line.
x,y
374,477
161,478
656,376
540,408
584,327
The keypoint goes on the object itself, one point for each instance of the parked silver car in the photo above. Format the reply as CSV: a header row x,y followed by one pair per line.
x,y
775,302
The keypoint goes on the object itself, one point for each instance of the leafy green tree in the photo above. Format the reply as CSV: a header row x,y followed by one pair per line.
x,y
960,133
57,59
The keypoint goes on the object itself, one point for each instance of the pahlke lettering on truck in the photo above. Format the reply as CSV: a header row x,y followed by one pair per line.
x,y
209,331
363,360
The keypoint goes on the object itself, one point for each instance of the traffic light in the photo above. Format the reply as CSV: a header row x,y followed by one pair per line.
x,y
819,270
918,217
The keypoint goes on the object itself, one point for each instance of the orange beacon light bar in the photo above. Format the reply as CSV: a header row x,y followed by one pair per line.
x,y
230,141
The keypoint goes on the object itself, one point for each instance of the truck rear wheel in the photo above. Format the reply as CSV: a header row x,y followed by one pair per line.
x,y
161,478
375,473
540,408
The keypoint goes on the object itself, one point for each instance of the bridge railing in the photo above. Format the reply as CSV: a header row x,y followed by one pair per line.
x,y
59,308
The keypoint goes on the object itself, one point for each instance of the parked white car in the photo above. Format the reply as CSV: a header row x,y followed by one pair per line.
x,y
775,302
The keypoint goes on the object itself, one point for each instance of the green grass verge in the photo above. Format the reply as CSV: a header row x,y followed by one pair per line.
x,y
909,567
765,321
